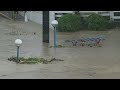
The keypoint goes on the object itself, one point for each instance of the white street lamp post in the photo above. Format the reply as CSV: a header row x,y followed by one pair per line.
x,y
54,24
18,43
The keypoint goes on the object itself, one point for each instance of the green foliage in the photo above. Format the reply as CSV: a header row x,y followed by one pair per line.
x,y
116,24
73,23
31,60
97,22
77,12
69,23
84,23
111,25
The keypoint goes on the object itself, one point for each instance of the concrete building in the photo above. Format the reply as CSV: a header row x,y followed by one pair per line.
x,y
36,16
112,15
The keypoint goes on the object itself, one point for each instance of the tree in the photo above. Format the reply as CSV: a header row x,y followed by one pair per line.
x,y
76,12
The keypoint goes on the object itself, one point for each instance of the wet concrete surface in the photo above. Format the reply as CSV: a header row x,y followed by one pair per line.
x,y
79,63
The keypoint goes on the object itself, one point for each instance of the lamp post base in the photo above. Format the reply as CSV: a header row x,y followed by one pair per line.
x,y
54,37
18,53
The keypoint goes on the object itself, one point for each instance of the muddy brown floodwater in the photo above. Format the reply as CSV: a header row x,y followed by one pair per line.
x,y
79,62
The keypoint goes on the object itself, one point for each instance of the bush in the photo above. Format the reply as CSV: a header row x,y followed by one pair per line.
x,y
84,23
69,23
116,24
97,22
111,25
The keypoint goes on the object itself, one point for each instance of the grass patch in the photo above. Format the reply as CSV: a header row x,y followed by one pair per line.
x,y
58,46
23,60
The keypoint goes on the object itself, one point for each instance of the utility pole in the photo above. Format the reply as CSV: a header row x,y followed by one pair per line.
x,y
46,26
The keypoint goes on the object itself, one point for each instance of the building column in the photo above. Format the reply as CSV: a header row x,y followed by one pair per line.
x,y
111,16
46,26
26,18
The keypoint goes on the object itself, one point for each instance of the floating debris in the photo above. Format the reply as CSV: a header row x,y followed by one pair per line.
x,y
23,60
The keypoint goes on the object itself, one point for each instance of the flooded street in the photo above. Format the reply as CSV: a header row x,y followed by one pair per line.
x,y
79,62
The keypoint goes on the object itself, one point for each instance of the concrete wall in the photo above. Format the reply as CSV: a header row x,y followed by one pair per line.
x,y
36,16
112,15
